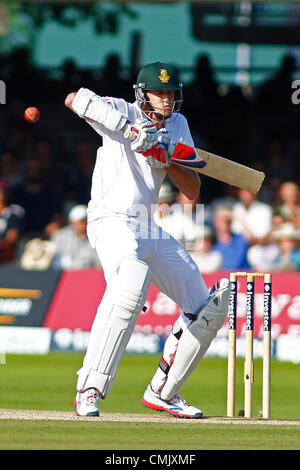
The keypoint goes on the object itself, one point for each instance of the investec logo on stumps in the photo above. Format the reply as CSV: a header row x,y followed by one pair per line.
x,y
267,307
232,306
249,306
2,92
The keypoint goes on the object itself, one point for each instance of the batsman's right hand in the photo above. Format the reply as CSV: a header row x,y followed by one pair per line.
x,y
143,135
159,156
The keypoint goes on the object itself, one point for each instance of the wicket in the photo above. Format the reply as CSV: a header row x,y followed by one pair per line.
x,y
249,365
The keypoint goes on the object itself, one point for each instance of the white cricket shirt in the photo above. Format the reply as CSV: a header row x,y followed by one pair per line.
x,y
122,181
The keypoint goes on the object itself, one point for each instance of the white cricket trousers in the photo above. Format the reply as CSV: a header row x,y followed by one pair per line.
x,y
173,270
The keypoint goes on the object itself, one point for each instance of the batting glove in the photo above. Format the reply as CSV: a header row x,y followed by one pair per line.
x,y
164,138
159,156
143,135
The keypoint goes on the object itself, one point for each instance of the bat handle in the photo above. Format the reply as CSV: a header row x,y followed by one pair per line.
x,y
127,134
130,132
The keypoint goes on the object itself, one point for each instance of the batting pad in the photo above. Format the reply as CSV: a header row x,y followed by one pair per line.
x,y
196,339
114,322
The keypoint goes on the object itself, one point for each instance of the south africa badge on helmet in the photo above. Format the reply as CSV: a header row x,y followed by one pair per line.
x,y
164,76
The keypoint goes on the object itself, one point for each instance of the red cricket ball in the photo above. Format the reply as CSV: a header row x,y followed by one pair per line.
x,y
32,114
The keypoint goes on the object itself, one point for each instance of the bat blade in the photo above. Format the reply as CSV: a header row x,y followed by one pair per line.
x,y
219,168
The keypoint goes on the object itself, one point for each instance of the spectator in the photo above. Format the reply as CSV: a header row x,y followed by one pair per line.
x,y
274,94
78,177
112,81
251,218
70,75
9,169
72,248
202,98
289,208
232,246
207,260
42,204
44,151
11,222
288,238
261,256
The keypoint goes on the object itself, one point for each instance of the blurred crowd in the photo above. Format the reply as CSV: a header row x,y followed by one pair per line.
x,y
46,168
235,233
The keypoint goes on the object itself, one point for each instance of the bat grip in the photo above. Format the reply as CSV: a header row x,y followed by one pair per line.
x,y
130,132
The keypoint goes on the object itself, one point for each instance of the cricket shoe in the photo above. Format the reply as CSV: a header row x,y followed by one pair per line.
x,y
177,406
86,403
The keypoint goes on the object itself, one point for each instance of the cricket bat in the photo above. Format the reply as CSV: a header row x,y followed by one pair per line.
x,y
219,168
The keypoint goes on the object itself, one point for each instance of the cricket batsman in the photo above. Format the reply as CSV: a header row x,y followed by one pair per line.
x,y
138,140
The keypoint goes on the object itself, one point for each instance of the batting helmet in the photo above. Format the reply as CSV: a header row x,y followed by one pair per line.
x,y
158,76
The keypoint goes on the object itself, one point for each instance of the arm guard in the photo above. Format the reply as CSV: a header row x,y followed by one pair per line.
x,y
89,105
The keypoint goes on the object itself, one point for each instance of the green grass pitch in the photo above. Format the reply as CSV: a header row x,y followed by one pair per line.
x,y
47,382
